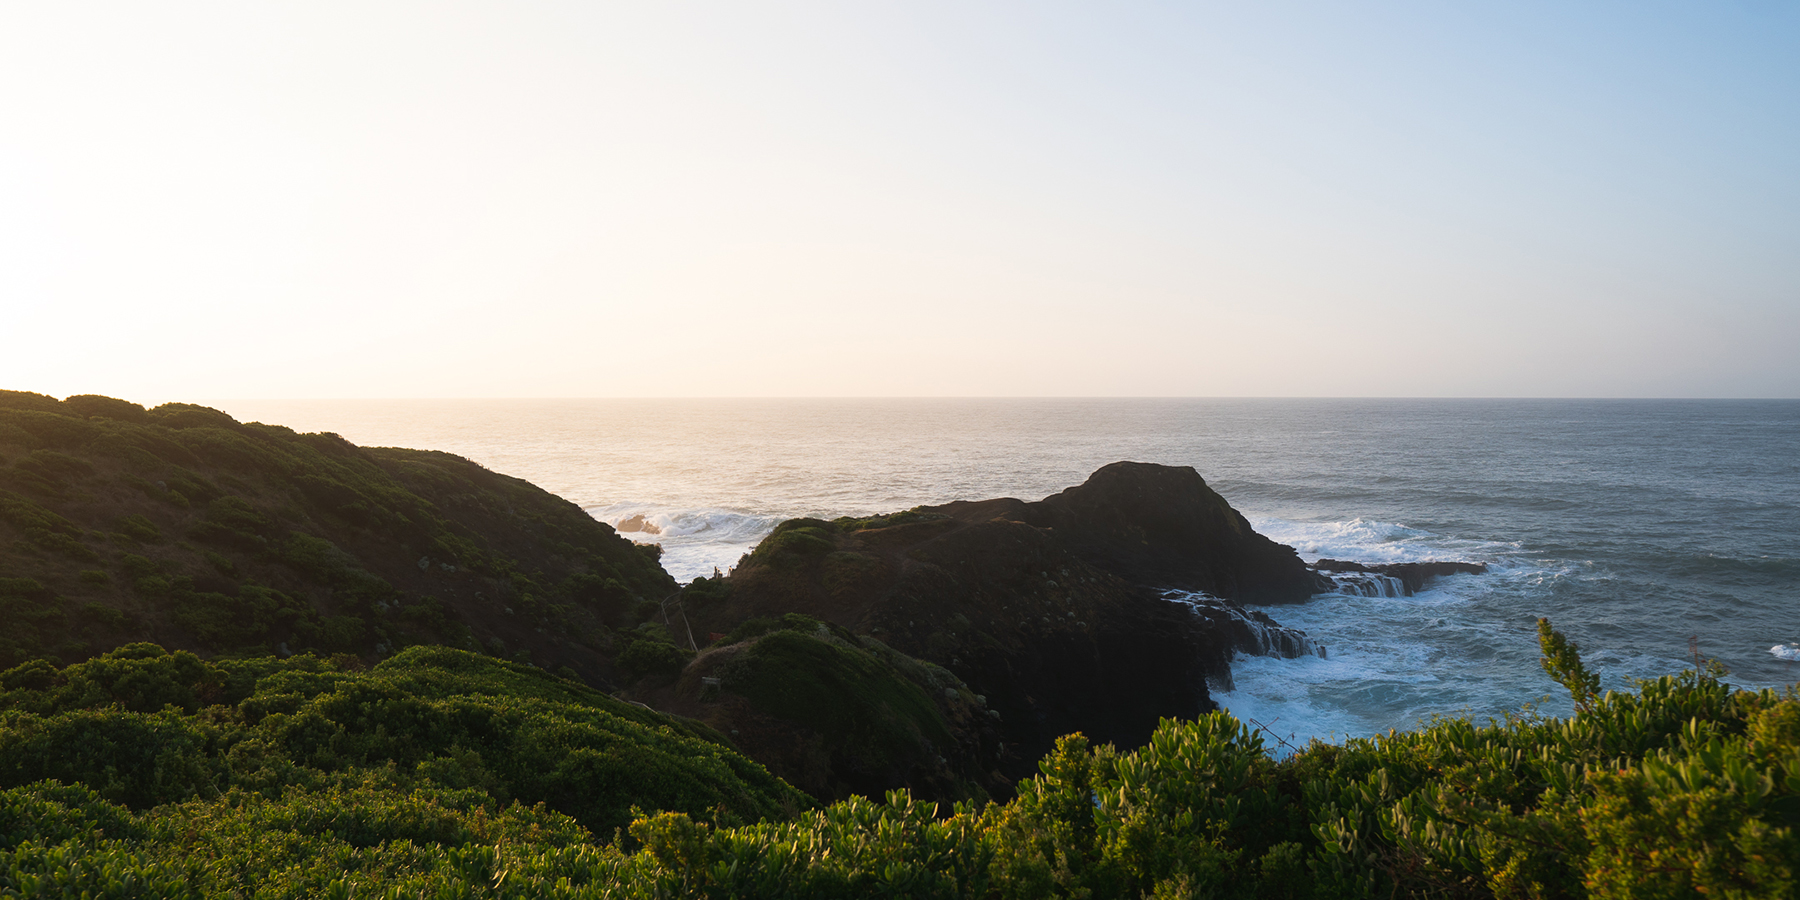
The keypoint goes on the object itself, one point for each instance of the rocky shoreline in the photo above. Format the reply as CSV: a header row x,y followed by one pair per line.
x,y
1411,577
1101,609
942,649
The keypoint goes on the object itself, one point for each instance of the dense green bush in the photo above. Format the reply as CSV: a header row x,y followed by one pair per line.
x,y
866,711
904,517
796,541
144,728
1527,808
145,773
650,653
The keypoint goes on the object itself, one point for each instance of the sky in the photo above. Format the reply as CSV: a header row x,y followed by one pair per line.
x,y
587,199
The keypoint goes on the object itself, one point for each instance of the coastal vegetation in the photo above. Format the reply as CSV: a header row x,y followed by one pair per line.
x,y
241,661
440,773
1022,622
838,714
181,526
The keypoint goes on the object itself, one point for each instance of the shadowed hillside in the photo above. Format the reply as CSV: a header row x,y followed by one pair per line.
x,y
182,526
146,727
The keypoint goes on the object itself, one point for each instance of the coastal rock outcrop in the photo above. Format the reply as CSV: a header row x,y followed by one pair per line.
x,y
835,713
1052,612
1163,526
1410,577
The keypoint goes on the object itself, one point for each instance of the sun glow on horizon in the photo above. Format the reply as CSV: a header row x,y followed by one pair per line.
x,y
405,200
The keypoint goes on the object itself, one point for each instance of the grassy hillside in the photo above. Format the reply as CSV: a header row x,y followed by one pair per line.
x,y
253,767
145,728
1044,642
181,526
837,714
1682,788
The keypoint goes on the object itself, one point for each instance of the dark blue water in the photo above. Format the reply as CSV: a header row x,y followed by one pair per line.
x,y
1635,526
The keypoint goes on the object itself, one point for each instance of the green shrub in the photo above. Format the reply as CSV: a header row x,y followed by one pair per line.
x,y
228,537
651,656
51,430
55,467
28,516
51,812
863,708
440,715
705,590
59,542
191,486
224,447
188,415
138,528
28,400
906,517
795,541
1562,662
422,778
90,405
220,563
106,617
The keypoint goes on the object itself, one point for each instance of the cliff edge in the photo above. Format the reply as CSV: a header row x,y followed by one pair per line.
x,y
1051,614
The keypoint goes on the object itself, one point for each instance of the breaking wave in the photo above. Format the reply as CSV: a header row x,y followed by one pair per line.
x,y
1372,542
695,542
1394,657
1367,584
1252,631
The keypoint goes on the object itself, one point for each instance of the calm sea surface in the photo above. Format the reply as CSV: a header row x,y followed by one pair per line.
x,y
1634,525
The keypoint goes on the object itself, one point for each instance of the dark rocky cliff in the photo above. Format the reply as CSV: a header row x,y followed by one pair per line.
x,y
1162,526
1049,612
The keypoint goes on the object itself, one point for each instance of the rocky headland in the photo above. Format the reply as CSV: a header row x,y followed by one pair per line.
x,y
410,675
1102,609
942,648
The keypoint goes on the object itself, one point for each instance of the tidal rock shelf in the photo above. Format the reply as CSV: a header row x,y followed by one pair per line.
x,y
1390,579
1252,631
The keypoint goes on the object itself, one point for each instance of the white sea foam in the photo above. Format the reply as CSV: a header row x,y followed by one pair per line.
x,y
695,542
1252,632
1646,521
1367,541
1368,584
1283,706
1394,660
1789,650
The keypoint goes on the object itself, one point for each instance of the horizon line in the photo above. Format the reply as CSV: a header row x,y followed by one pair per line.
x,y
545,398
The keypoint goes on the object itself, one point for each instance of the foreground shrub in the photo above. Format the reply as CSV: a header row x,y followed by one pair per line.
x,y
442,774
145,728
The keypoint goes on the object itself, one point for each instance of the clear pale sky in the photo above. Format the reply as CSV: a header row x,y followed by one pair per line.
x,y
542,199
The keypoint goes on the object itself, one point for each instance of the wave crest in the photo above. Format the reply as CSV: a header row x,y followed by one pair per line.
x,y
1374,542
695,542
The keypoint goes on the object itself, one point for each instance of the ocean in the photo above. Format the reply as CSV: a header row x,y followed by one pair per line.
x,y
1646,530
